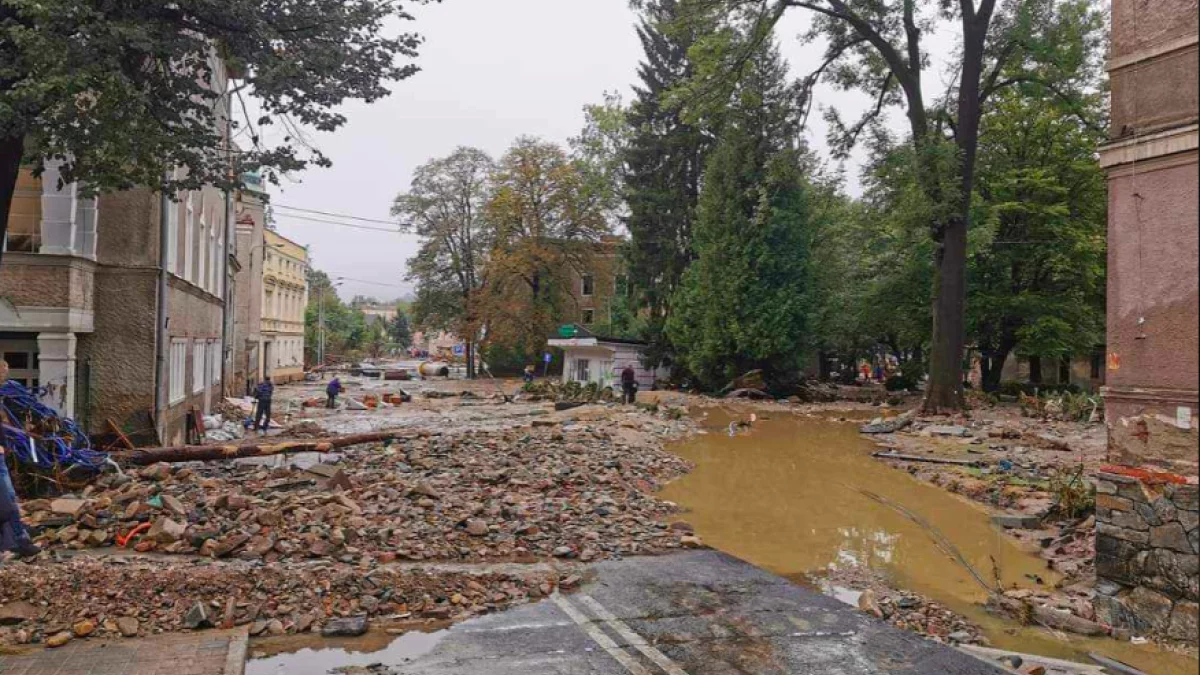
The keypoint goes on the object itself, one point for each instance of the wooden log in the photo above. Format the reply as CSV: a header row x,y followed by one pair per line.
x,y
205,453
927,460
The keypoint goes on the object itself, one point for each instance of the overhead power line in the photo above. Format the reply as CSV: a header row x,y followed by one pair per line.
x,y
392,230
364,281
343,216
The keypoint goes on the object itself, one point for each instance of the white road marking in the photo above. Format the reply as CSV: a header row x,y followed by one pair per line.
x,y
619,655
631,637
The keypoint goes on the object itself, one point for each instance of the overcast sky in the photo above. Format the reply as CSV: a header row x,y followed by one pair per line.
x,y
492,70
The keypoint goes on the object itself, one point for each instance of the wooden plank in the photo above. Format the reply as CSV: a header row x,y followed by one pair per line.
x,y
125,442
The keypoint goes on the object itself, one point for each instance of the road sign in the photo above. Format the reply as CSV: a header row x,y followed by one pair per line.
x,y
546,358
459,350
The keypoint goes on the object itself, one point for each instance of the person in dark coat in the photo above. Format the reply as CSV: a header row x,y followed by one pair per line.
x,y
629,385
262,414
331,392
13,535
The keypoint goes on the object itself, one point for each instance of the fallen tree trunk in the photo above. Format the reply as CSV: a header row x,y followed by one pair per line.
x,y
204,453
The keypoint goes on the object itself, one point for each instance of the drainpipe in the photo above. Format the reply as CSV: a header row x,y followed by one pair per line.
x,y
227,308
160,323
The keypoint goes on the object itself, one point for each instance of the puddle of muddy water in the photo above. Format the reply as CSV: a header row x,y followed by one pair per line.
x,y
803,496
314,655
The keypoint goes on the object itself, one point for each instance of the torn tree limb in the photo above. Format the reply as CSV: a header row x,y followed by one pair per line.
x,y
205,453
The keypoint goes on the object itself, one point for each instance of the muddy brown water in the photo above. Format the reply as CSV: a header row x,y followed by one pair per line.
x,y
800,496
796,496
314,655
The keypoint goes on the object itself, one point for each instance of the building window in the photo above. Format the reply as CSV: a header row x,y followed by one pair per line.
x,y
198,370
22,364
172,261
1097,365
583,370
178,370
214,361
589,316
589,285
25,216
203,248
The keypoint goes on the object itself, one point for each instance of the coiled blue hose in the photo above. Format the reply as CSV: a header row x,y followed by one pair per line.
x,y
57,442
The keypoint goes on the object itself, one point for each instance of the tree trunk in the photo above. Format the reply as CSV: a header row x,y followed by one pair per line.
x,y
12,148
1035,369
202,453
945,391
993,369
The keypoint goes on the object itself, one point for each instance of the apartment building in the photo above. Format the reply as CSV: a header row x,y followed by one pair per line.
x,y
594,286
114,306
84,284
1153,300
284,299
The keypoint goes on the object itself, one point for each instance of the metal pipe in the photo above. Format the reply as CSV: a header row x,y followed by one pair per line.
x,y
226,285
160,319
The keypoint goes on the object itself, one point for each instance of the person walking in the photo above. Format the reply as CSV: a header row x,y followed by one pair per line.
x,y
528,375
629,385
13,535
331,392
262,414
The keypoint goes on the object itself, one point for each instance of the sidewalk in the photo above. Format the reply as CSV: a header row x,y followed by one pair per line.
x,y
204,653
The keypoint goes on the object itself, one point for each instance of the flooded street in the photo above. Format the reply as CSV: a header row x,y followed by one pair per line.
x,y
803,496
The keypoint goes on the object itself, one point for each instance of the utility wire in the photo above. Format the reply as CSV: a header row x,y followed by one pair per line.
x,y
343,216
364,281
392,230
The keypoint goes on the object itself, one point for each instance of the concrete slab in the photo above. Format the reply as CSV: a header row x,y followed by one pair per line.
x,y
694,613
203,653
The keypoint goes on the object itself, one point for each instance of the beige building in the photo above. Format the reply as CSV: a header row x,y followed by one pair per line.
x,y
284,299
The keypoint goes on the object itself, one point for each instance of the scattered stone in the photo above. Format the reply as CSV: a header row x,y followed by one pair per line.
x,y
477,527
1017,522
128,626
347,627
58,639
197,617
67,507
955,430
83,628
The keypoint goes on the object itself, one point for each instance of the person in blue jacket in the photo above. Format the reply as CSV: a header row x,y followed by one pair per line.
x,y
13,535
263,394
331,392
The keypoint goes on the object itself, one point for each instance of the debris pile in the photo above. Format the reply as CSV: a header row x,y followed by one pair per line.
x,y
109,597
580,492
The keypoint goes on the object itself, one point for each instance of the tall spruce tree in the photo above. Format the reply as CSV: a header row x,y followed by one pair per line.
x,y
664,161
744,303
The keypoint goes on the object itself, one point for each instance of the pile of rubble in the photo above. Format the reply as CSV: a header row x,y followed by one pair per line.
x,y
53,602
291,548
576,492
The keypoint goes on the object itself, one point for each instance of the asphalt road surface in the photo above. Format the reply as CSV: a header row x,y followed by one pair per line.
x,y
694,613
